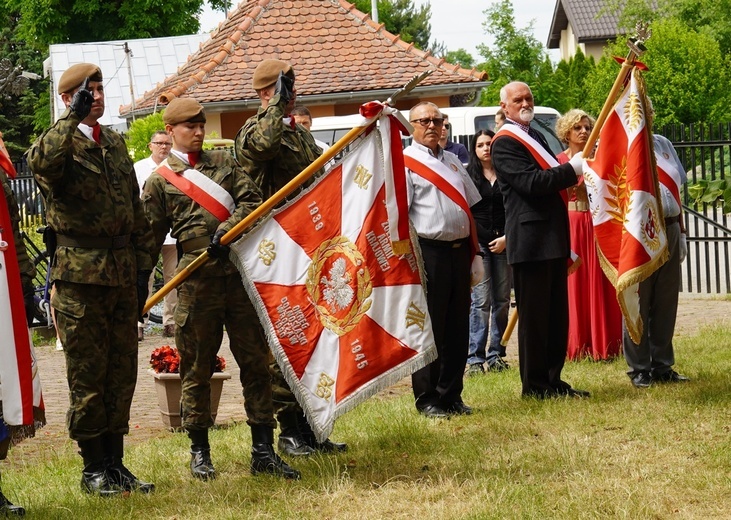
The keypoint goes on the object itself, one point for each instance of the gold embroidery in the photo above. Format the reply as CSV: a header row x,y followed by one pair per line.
x,y
362,177
266,252
325,387
415,316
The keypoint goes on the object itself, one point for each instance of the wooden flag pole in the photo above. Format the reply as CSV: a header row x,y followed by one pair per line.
x,y
637,48
509,329
278,197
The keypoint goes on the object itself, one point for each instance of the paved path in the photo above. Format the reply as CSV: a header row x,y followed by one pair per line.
x,y
693,313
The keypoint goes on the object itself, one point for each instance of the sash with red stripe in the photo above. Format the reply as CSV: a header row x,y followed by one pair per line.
x,y
667,180
203,190
540,154
449,190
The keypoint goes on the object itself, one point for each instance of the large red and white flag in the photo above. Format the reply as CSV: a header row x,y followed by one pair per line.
x,y
345,315
623,191
20,384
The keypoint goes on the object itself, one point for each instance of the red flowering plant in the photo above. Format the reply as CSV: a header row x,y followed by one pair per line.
x,y
166,360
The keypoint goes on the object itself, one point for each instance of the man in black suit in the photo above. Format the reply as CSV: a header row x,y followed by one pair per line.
x,y
538,246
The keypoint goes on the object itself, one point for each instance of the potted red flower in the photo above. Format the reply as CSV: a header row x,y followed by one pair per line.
x,y
165,368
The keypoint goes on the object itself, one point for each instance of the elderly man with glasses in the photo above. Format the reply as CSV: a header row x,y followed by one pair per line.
x,y
160,145
440,194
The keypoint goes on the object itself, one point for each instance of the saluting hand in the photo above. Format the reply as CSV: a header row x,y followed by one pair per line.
x,y
82,101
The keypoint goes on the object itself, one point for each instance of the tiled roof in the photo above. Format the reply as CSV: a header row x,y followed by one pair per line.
x,y
333,47
153,59
582,15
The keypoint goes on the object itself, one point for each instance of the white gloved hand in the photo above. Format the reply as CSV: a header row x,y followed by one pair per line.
x,y
577,161
477,271
683,247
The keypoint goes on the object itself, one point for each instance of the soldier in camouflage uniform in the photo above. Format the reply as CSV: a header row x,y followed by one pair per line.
x,y
214,295
273,149
100,271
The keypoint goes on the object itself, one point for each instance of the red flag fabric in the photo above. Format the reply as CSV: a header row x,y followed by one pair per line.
x,y
21,387
345,315
5,162
622,185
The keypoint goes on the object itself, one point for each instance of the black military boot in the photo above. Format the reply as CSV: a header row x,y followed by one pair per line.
x,y
326,446
94,478
201,466
291,441
7,508
263,458
117,473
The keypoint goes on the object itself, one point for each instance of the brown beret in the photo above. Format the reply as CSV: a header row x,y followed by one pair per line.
x,y
76,74
267,73
183,110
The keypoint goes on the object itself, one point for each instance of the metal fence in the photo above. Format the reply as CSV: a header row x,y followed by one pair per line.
x,y
705,151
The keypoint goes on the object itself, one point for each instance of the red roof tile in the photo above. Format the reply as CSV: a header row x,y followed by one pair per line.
x,y
332,46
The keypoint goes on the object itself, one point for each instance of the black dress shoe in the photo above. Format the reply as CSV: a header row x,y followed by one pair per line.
x,y
294,445
120,476
98,483
8,508
328,446
641,380
264,460
671,376
201,466
434,411
459,408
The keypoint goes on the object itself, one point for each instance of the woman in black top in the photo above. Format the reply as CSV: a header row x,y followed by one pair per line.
x,y
491,297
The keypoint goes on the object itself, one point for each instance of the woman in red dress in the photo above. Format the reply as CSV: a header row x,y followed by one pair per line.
x,y
595,321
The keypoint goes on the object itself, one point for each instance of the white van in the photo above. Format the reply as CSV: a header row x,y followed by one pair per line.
x,y
464,121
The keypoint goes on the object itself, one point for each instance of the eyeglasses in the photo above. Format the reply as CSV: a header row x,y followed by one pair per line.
x,y
425,121
447,126
161,143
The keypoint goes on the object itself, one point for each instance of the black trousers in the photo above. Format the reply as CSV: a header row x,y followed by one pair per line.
x,y
448,299
541,295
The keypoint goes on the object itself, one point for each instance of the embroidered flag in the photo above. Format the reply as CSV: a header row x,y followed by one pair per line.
x,y
21,386
345,316
623,191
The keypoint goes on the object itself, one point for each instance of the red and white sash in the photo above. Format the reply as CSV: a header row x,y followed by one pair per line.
x,y
671,182
447,181
203,190
536,149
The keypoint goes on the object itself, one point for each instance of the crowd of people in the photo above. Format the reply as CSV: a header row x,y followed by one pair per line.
x,y
505,213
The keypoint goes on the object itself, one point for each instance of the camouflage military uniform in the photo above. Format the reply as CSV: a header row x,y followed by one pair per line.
x,y
273,154
27,271
91,196
213,296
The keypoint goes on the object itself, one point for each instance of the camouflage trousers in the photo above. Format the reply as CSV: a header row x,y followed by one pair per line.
x,y
284,400
96,325
205,305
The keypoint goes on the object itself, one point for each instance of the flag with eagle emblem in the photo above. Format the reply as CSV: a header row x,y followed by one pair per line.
x,y
622,184
345,315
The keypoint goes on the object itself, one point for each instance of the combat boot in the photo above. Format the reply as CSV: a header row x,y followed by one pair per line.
x,y
117,473
7,508
94,478
291,441
263,458
201,466
326,446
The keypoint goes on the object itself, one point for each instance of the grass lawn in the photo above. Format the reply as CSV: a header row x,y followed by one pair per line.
x,y
659,453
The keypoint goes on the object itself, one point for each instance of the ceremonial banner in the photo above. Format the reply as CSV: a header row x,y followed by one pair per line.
x,y
622,185
344,315
21,386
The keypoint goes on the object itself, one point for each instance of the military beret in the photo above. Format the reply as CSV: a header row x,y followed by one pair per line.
x,y
267,73
76,74
183,110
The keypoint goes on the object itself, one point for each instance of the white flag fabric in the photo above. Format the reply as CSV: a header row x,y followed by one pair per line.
x,y
344,315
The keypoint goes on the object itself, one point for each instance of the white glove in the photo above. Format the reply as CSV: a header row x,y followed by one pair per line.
x,y
577,161
477,271
683,247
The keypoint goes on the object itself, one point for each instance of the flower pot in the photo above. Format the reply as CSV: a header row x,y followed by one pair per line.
x,y
169,391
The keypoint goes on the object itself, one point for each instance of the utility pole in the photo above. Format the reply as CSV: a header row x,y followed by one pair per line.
x,y
128,54
374,10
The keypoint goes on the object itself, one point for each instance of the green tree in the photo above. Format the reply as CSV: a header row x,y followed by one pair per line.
x,y
687,80
461,57
403,18
140,132
516,55
568,86
42,23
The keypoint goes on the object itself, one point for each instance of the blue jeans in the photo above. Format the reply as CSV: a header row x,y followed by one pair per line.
x,y
490,306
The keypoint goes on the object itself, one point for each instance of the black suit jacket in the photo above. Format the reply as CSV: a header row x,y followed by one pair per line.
x,y
536,219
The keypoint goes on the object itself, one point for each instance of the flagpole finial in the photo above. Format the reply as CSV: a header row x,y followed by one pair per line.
x,y
637,42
